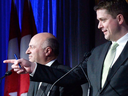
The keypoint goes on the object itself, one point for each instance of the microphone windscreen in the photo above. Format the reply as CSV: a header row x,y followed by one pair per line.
x,y
8,73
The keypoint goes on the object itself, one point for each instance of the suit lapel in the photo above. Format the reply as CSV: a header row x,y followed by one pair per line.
x,y
101,62
121,60
43,88
36,85
33,88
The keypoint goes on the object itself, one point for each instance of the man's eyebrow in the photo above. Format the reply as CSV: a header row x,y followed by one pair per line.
x,y
31,45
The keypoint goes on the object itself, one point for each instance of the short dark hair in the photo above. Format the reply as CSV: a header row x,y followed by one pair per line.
x,y
54,44
114,7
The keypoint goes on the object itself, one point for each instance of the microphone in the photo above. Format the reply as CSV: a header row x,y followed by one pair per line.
x,y
6,74
86,55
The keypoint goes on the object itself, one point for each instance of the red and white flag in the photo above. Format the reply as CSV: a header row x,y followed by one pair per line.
x,y
28,30
12,82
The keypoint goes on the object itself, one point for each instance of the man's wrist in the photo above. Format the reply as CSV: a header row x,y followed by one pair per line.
x,y
33,68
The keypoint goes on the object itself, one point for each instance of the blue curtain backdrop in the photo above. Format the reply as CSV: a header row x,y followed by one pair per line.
x,y
71,21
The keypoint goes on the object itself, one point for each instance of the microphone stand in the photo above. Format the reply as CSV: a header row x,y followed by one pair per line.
x,y
86,55
89,83
6,74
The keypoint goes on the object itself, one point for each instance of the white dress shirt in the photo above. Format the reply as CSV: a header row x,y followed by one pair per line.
x,y
48,64
122,42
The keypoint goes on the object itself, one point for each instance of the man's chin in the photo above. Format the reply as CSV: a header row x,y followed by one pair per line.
x,y
106,37
31,60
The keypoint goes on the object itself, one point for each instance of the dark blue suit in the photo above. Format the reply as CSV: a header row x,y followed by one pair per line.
x,y
115,85
56,91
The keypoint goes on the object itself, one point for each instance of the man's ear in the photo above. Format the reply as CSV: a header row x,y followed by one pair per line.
x,y
48,51
120,18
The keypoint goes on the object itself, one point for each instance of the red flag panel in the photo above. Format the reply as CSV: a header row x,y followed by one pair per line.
x,y
28,30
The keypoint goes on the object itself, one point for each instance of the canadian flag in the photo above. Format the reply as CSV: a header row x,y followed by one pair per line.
x,y
12,82
28,30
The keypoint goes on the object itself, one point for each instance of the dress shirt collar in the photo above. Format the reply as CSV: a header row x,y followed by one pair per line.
x,y
123,40
50,63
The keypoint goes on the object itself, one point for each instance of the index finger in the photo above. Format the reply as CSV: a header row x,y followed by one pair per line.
x,y
9,61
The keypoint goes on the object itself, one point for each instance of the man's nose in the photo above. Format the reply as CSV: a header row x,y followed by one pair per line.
x,y
100,25
27,51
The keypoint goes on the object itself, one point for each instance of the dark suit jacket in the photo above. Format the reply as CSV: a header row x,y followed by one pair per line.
x,y
56,91
117,80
